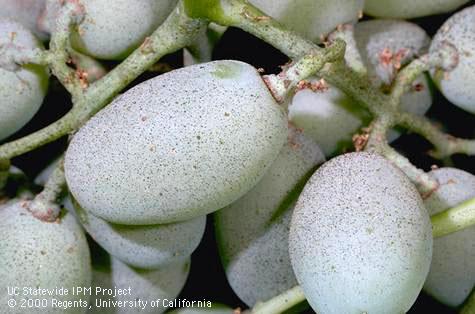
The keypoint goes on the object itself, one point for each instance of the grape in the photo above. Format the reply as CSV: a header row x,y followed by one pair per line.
x,y
146,285
21,90
147,247
407,9
313,19
178,146
331,118
360,238
216,308
26,12
458,31
40,254
252,233
385,45
111,30
452,275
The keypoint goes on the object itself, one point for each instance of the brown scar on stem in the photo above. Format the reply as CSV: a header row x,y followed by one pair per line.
x,y
146,47
361,139
427,194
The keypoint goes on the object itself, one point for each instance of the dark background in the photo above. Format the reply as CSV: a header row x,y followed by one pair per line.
x,y
207,279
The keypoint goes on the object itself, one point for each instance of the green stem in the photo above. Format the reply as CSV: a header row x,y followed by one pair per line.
x,y
445,58
44,206
280,303
378,143
352,56
454,219
70,14
280,85
445,144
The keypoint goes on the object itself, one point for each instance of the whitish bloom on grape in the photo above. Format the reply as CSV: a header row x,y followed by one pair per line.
x,y
27,12
22,88
407,9
146,247
112,29
457,84
452,274
314,19
360,238
252,233
178,146
39,254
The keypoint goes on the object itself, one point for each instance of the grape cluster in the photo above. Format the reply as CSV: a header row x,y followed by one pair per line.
x,y
140,177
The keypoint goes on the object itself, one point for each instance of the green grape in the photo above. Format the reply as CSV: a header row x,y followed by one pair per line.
x,y
178,146
216,308
147,247
360,238
313,19
37,254
111,30
330,117
22,88
386,45
408,9
145,285
252,233
27,12
458,31
452,274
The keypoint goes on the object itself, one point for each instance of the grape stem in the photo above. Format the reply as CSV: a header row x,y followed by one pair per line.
x,y
280,303
446,58
44,206
353,58
454,219
177,31
70,14
280,85
377,142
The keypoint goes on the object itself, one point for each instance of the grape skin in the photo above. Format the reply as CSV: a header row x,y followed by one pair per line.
x,y
146,285
252,233
40,254
452,275
22,90
146,247
458,31
313,19
407,9
111,30
176,147
360,233
27,12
